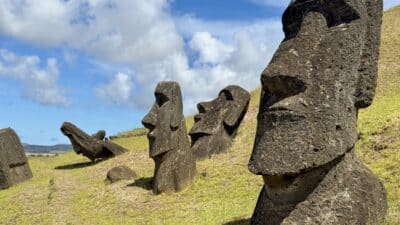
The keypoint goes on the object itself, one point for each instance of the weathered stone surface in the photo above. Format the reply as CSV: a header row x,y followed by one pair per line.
x,y
14,167
120,173
341,192
91,146
322,73
175,166
217,122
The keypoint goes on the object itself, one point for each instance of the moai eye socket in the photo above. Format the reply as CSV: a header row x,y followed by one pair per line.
x,y
228,95
161,99
335,12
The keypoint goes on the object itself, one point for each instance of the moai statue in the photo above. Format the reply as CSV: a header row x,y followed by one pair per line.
x,y
324,71
175,166
92,146
14,167
217,122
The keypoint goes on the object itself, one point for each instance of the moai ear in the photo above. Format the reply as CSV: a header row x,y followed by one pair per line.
x,y
241,99
234,115
368,71
177,106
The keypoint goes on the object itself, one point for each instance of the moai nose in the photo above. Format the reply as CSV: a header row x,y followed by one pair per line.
x,y
149,121
203,107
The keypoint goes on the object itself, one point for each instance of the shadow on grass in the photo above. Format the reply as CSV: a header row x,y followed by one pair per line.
x,y
239,222
144,182
77,165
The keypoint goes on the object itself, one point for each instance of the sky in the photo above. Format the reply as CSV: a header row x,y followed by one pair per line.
x,y
95,63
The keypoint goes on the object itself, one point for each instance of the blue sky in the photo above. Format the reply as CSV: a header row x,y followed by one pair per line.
x,y
96,62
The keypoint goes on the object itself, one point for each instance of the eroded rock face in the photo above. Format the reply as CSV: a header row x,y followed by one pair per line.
x,y
92,146
14,167
322,73
175,166
217,122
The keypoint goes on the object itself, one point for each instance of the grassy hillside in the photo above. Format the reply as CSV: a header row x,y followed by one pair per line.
x,y
68,189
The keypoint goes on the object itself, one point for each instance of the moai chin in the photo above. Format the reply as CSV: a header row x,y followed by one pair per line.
x,y
175,166
92,146
324,71
14,167
217,122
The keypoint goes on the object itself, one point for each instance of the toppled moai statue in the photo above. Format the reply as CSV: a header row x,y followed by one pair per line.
x,y
175,166
324,71
14,167
217,122
92,146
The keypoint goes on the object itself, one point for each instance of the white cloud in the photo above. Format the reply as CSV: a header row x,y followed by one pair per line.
x,y
283,3
39,84
202,81
210,49
118,91
124,31
143,36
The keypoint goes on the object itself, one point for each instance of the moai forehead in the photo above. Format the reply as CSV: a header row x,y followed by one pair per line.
x,y
228,108
322,73
165,118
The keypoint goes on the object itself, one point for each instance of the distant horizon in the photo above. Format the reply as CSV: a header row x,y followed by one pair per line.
x,y
96,63
23,143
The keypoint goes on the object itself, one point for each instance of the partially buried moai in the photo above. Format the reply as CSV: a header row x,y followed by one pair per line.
x,y
217,122
14,167
175,166
92,146
324,71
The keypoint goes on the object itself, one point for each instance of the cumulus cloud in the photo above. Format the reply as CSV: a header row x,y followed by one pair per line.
x,y
39,84
283,3
124,31
203,56
118,91
202,80
210,49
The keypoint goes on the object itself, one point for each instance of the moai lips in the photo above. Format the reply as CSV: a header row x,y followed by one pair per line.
x,y
175,166
217,122
14,167
322,73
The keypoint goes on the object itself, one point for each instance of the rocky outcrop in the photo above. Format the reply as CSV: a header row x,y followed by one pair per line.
x,y
14,166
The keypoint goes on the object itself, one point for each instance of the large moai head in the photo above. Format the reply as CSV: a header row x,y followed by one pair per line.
x,y
175,166
14,167
165,119
323,72
218,120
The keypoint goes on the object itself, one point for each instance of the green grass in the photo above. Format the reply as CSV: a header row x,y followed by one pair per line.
x,y
68,189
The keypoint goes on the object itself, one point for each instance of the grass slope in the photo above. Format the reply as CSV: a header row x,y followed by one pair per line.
x,y
70,190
